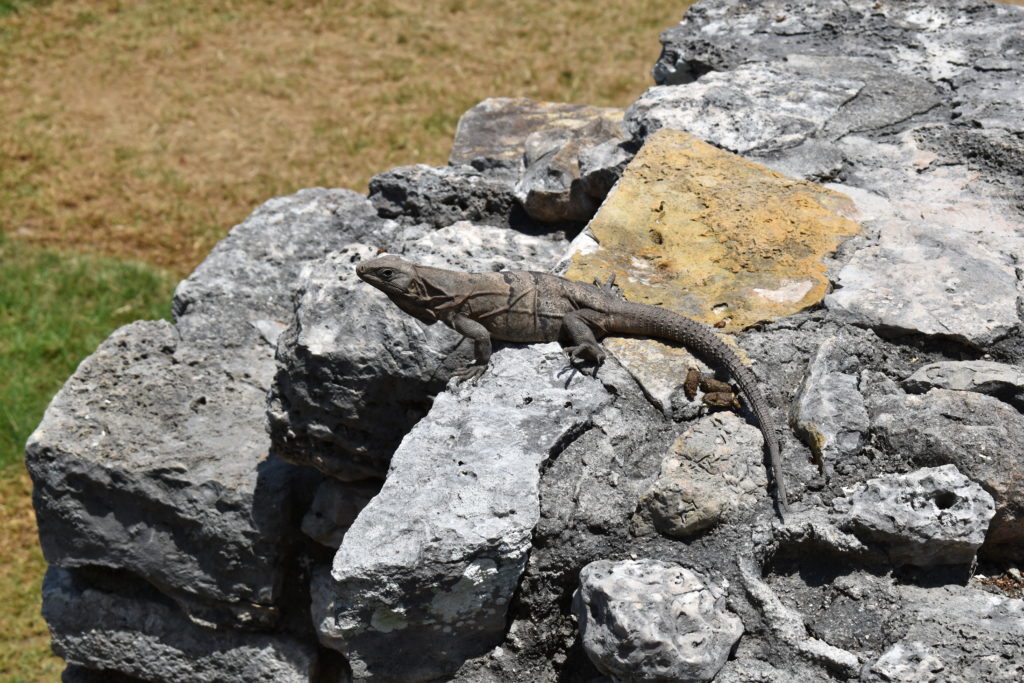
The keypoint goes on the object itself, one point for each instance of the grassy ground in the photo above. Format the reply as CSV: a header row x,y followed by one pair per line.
x,y
138,132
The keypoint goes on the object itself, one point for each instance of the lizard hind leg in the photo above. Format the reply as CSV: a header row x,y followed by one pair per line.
x,y
578,328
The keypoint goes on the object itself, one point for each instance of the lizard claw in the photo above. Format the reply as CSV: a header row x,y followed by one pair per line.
x,y
470,373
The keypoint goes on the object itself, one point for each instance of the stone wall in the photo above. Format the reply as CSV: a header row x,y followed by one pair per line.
x,y
283,484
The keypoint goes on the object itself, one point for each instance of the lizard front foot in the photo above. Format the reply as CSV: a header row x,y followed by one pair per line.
x,y
470,373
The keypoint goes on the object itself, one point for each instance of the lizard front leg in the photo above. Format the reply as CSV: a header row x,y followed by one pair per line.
x,y
471,329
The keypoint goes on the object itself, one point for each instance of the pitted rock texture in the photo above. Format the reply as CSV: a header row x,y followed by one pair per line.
x,y
932,516
924,126
714,236
436,556
440,196
153,459
981,435
132,631
246,281
648,620
715,470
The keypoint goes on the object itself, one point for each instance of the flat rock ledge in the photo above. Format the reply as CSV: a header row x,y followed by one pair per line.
x,y
430,565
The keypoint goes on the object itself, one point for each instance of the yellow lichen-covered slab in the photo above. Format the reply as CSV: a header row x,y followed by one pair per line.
x,y
714,236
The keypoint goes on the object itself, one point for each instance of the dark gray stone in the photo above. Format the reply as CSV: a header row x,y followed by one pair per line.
x,y
981,435
355,373
440,196
122,632
153,459
1005,382
249,277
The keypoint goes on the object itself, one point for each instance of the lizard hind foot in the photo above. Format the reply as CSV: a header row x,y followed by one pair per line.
x,y
586,353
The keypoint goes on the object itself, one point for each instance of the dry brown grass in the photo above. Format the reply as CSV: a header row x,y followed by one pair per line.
x,y
147,129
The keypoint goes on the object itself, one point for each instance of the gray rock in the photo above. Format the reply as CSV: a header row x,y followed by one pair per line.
x,y
601,166
949,286
249,276
442,195
932,516
753,108
492,135
430,565
829,413
355,373
981,435
334,508
955,633
716,470
1005,382
551,189
153,459
132,633
648,620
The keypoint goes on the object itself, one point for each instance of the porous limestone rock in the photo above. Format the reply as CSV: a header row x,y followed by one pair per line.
x,y
715,470
153,459
1005,382
442,195
981,435
829,413
647,620
355,372
932,516
551,188
245,285
125,630
432,562
492,135
714,236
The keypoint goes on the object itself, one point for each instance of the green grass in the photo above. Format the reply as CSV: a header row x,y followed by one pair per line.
x,y
55,307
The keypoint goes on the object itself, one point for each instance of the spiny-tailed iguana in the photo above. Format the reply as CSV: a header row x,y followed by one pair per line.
x,y
523,306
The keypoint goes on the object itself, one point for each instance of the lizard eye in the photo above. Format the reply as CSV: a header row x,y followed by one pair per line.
x,y
387,273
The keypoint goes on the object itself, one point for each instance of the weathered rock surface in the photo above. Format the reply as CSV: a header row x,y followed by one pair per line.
x,y
431,564
932,516
153,459
981,435
355,373
829,413
440,196
334,508
492,135
924,125
1005,382
552,188
715,470
124,629
246,282
648,620
714,236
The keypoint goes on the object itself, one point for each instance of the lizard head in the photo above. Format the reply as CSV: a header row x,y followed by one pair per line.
x,y
399,279
390,274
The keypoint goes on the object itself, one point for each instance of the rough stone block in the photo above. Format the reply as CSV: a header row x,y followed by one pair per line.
x,y
431,564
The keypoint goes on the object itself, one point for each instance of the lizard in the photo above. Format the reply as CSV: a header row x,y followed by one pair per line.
x,y
529,307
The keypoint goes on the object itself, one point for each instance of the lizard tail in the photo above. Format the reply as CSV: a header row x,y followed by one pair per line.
x,y
704,341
